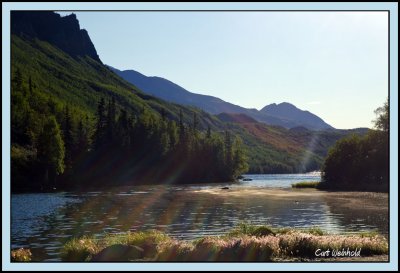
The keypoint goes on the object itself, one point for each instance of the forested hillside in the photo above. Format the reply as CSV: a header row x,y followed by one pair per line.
x,y
74,122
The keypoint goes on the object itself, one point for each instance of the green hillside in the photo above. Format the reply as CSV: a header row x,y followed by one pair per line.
x,y
81,82
281,150
47,81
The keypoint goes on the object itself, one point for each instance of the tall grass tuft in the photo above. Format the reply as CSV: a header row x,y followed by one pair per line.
x,y
79,249
82,249
251,230
315,231
147,240
21,255
175,251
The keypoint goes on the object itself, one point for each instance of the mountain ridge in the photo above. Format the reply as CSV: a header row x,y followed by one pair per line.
x,y
170,91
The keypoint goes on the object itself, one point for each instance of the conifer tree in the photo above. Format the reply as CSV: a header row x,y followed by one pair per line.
x,y
68,137
100,133
111,115
82,142
18,80
51,151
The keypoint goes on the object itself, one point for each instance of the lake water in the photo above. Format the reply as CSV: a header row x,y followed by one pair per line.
x,y
44,222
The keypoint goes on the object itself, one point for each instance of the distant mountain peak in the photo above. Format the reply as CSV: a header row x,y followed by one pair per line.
x,y
284,105
283,114
302,118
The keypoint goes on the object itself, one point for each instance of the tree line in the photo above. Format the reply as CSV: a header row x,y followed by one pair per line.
x,y
361,163
56,146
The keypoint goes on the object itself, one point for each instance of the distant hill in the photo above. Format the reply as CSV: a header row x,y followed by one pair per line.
x,y
287,111
272,114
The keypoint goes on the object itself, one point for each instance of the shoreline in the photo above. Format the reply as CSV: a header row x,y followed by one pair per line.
x,y
244,243
231,186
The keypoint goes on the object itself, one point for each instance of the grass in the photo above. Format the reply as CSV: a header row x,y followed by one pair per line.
x,y
372,233
305,245
80,249
245,228
315,231
306,184
251,230
21,255
147,240
84,248
243,243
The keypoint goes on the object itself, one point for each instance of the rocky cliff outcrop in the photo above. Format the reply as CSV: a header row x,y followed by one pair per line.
x,y
62,32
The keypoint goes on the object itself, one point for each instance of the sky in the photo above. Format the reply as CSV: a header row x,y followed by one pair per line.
x,y
333,64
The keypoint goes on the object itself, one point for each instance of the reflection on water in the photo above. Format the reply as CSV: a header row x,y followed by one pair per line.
x,y
360,211
44,222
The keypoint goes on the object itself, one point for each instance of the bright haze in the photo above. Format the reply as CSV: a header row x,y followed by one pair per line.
x,y
333,64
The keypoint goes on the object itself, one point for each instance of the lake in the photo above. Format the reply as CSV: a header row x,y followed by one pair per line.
x,y
43,222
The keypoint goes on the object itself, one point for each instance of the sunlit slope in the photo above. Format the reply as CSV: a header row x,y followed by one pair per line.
x,y
279,150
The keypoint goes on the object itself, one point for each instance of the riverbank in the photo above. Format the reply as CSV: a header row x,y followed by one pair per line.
x,y
244,243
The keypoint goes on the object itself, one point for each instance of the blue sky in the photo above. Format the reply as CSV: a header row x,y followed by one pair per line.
x,y
333,64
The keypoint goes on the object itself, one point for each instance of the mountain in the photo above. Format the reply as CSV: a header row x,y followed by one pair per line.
x,y
169,91
287,111
47,80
